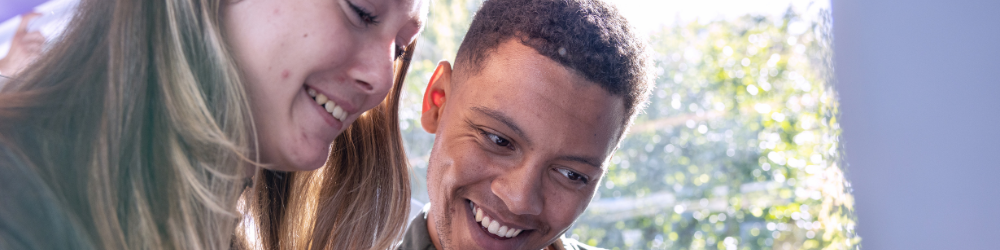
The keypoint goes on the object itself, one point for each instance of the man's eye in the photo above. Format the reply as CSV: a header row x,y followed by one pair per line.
x,y
493,138
499,141
366,16
573,176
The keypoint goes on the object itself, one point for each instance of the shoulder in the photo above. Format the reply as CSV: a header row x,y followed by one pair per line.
x,y
416,236
30,215
571,244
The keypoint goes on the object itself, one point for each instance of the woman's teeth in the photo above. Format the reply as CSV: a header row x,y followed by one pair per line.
x,y
329,105
493,226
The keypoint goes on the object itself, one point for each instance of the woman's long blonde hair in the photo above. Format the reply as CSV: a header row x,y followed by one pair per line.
x,y
138,123
359,200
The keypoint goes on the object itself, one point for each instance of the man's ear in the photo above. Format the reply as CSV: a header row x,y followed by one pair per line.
x,y
434,97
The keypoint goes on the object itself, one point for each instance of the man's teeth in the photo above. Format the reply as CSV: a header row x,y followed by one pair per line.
x,y
493,226
330,106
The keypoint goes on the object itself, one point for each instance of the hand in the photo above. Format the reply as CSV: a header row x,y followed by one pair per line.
x,y
24,48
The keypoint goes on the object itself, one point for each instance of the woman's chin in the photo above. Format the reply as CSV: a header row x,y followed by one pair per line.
x,y
311,163
294,159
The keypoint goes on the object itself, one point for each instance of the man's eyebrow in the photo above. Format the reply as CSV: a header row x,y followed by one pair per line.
x,y
497,115
583,160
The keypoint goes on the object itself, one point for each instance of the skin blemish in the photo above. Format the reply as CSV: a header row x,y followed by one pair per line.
x,y
284,74
277,11
305,35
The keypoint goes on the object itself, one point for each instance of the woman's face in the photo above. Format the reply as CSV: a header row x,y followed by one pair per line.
x,y
313,66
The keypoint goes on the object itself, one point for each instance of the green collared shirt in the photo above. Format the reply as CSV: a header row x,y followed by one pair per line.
x,y
418,238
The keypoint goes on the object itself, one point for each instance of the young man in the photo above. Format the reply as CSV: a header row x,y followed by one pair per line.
x,y
541,94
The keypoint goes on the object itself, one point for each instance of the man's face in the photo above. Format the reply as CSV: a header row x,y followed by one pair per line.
x,y
522,141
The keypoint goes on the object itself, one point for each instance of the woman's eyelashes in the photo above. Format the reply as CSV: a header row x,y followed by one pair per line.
x,y
366,16
399,52
573,176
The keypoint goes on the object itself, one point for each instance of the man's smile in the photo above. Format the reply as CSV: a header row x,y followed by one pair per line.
x,y
493,225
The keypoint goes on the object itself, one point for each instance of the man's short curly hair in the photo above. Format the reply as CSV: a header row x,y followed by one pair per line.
x,y
588,36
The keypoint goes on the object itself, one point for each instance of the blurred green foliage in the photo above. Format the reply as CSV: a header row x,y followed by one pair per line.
x,y
738,148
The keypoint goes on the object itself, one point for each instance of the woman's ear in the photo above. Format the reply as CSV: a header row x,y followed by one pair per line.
x,y
434,97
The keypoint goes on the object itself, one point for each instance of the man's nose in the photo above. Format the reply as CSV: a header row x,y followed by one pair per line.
x,y
372,71
520,190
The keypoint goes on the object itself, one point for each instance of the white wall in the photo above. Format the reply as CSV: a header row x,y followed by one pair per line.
x,y
920,94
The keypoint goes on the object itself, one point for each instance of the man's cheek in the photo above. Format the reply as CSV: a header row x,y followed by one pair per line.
x,y
587,196
591,190
566,205
472,164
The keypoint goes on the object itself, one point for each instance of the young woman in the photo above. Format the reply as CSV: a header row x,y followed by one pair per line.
x,y
359,200
139,128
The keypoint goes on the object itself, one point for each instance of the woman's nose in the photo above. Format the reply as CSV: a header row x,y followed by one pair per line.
x,y
373,72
